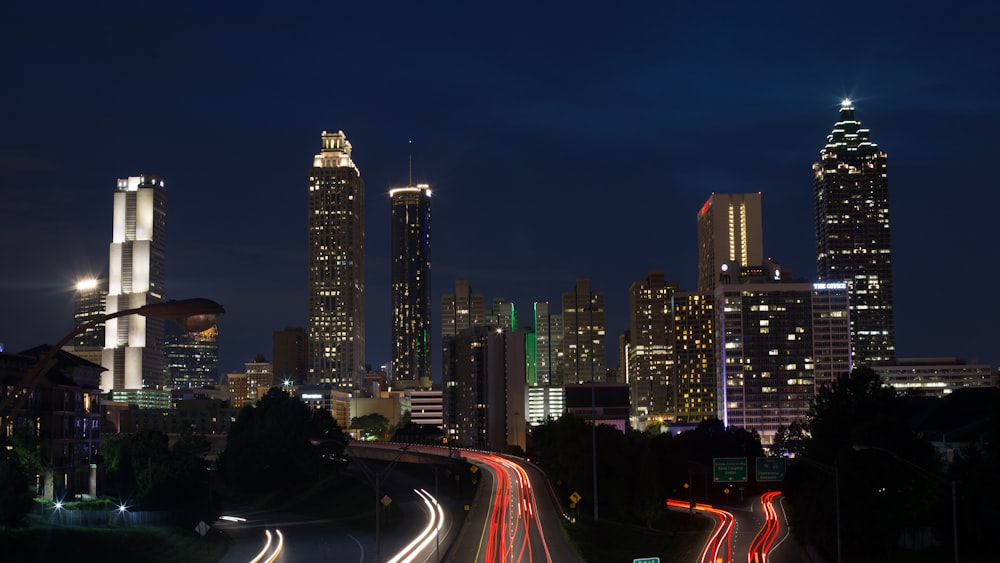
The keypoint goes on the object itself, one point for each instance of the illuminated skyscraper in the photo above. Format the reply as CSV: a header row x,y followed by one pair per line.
x,y
503,314
336,266
133,345
411,284
729,234
694,355
462,309
548,346
584,350
90,302
192,358
650,352
852,234
769,337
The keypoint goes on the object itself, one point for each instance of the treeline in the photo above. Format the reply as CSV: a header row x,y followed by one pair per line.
x,y
637,471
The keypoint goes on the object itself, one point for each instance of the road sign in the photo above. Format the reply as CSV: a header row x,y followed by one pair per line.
x,y
575,497
473,468
202,528
770,469
729,469
646,560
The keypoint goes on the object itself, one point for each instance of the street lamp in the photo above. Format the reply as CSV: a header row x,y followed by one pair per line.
x,y
193,315
836,491
924,472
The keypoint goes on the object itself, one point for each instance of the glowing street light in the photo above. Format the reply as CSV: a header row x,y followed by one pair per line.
x,y
193,315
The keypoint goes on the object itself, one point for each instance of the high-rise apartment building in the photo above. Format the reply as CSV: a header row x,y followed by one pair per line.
x,y
336,266
503,314
411,284
260,376
90,303
730,235
485,401
694,356
548,347
133,344
851,188
462,309
649,353
584,350
192,359
769,336
290,350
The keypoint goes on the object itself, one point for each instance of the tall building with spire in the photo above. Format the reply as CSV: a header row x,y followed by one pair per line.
x,y
411,284
852,234
133,344
730,236
336,266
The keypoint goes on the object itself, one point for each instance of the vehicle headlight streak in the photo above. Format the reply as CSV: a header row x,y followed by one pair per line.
x,y
267,548
513,527
434,523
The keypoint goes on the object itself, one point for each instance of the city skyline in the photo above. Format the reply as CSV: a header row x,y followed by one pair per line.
x,y
553,156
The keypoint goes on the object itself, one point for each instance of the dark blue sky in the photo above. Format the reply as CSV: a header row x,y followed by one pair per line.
x,y
562,141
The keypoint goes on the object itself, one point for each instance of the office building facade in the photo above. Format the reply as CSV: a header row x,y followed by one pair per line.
x,y
133,344
485,394
934,377
694,356
649,352
290,350
584,357
768,336
730,235
336,254
851,189
411,284
548,347
192,359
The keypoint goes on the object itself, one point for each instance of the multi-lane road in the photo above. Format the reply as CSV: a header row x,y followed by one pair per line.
x,y
515,519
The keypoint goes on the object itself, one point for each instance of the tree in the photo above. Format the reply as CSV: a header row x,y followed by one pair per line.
x,y
879,498
374,426
144,470
277,440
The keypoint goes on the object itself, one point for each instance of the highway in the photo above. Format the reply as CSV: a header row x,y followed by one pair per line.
x,y
515,520
513,531
727,543
719,547
512,518
266,536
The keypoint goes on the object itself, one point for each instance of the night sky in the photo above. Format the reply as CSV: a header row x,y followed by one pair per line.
x,y
576,140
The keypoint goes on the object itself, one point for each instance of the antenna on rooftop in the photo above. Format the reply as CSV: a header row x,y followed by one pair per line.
x,y
411,161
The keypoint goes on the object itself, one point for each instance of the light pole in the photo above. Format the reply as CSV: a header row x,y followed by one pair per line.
x,y
924,472
376,478
836,492
193,315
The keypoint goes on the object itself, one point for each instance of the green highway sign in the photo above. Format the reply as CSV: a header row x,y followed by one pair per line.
x,y
770,469
729,469
646,560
